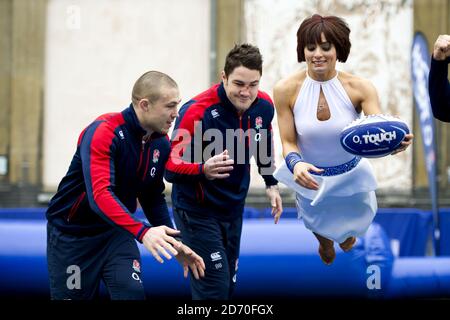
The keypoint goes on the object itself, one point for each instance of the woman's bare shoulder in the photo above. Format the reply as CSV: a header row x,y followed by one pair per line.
x,y
354,81
290,85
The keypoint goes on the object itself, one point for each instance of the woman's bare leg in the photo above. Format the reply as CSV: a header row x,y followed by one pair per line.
x,y
347,245
326,249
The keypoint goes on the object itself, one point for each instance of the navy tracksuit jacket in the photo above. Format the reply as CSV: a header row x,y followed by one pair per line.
x,y
111,169
225,198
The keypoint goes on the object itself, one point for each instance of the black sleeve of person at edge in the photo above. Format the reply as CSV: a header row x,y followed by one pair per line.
x,y
439,89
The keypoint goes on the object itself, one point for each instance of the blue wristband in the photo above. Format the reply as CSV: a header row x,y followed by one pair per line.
x,y
292,159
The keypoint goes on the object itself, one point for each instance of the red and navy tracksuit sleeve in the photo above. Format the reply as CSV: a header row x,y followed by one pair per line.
x,y
266,164
98,148
181,166
439,89
155,206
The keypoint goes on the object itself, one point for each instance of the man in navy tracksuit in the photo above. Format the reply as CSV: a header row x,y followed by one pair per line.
x,y
214,138
91,230
439,87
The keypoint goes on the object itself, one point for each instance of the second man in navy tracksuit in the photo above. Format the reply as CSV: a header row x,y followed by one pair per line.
x,y
215,136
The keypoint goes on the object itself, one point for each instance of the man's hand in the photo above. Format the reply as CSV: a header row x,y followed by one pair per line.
x,y
158,241
405,143
442,47
217,167
273,193
190,260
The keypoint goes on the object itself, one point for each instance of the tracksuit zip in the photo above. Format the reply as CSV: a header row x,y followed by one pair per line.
x,y
248,132
201,195
146,164
240,127
75,206
140,156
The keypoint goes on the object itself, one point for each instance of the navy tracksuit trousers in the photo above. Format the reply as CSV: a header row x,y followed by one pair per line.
x,y
217,242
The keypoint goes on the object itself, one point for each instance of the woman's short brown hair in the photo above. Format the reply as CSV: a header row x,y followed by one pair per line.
x,y
335,29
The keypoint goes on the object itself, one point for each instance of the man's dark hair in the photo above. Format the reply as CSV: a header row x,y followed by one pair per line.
x,y
244,55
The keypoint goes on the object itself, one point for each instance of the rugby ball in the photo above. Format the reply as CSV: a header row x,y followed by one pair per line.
x,y
373,136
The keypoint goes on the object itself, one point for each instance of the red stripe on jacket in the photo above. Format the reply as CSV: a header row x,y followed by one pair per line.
x,y
100,171
185,133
